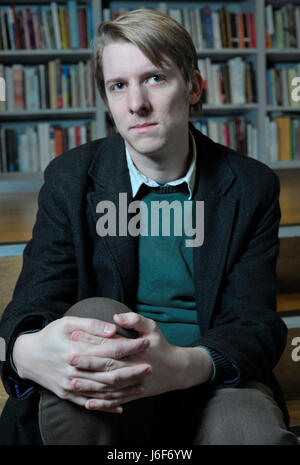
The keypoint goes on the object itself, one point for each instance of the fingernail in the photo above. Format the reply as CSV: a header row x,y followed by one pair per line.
x,y
91,404
77,385
74,361
75,336
108,328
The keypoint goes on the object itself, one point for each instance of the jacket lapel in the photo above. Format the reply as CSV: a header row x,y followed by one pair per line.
x,y
214,178
110,177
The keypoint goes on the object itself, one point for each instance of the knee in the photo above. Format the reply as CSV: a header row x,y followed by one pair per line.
x,y
246,431
244,416
101,308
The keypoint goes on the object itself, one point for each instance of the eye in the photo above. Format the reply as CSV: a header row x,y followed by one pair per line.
x,y
117,86
156,78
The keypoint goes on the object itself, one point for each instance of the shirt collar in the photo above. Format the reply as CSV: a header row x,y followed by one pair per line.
x,y
137,178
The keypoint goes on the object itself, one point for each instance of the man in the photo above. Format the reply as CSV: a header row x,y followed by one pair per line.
x,y
200,370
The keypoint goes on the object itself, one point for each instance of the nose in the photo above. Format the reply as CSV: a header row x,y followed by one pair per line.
x,y
138,101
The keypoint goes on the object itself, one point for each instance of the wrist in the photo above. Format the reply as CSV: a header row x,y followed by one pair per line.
x,y
197,366
22,350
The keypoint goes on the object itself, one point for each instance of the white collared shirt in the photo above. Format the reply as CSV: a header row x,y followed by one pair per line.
x,y
137,178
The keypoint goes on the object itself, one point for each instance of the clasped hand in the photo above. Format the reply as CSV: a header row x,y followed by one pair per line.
x,y
84,360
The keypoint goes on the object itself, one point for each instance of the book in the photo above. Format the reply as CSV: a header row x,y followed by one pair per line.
x,y
36,30
209,26
18,87
279,31
223,28
52,84
251,22
82,30
284,139
2,88
62,27
16,28
216,30
234,31
55,23
291,26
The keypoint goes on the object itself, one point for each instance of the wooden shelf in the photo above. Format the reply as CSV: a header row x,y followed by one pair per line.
x,y
288,302
17,213
289,198
294,411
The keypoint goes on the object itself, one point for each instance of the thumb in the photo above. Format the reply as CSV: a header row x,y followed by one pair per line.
x,y
135,321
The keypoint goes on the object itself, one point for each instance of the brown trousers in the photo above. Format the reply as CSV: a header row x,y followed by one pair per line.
x,y
247,415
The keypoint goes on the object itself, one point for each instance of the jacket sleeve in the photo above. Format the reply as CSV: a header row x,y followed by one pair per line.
x,y
47,285
245,328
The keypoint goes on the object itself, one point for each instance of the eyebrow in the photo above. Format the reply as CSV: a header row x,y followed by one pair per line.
x,y
150,72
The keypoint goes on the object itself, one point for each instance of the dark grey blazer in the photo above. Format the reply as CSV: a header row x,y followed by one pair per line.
x,y
234,270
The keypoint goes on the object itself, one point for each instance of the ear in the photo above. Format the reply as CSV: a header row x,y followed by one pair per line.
x,y
197,87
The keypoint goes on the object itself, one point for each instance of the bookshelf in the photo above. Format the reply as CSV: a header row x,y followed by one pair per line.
x,y
67,54
261,57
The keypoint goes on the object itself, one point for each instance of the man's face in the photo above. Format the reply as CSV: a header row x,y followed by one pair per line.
x,y
148,104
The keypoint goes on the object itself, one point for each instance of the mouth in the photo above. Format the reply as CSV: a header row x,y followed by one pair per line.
x,y
141,128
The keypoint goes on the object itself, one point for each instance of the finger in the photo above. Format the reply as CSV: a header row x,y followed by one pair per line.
x,y
93,388
107,405
100,391
135,321
115,348
89,325
82,400
83,336
90,363
122,376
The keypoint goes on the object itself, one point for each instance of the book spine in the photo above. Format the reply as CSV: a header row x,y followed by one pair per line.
x,y
30,29
16,28
209,29
11,30
52,84
216,30
279,29
3,29
67,24
36,30
82,23
240,28
9,88
45,30
62,27
74,26
18,87
55,20
251,22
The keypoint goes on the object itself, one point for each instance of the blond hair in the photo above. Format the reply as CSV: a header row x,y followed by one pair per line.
x,y
157,35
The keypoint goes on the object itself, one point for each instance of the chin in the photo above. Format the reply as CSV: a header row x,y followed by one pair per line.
x,y
149,149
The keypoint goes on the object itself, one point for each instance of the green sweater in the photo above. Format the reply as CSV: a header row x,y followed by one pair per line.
x,y
166,290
